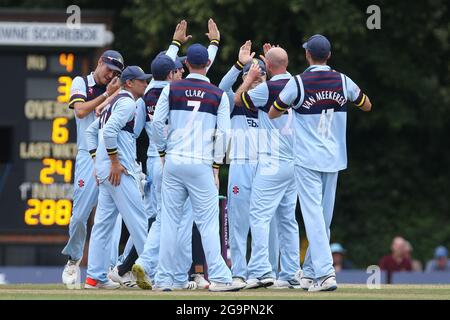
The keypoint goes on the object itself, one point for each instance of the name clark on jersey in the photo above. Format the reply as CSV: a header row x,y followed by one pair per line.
x,y
194,93
324,95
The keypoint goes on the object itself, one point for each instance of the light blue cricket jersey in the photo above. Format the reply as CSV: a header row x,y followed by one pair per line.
x,y
319,97
113,132
145,112
244,124
84,89
198,115
276,136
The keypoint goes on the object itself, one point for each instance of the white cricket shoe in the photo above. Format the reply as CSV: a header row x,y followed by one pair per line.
x,y
221,287
239,281
285,284
142,280
190,285
107,285
305,282
259,283
71,272
200,280
127,280
327,283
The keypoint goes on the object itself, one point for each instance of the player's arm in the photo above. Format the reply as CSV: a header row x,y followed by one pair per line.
x,y
214,40
179,37
159,121
123,112
256,97
91,136
101,106
356,95
140,118
230,78
83,108
285,99
222,136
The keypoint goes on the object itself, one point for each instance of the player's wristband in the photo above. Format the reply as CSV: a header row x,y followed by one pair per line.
x,y
216,165
162,153
92,153
239,65
105,94
214,42
176,43
111,151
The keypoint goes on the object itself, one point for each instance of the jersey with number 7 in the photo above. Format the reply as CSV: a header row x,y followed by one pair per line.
x,y
198,119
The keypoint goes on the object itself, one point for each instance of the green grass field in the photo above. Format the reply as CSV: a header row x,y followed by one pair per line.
x,y
345,292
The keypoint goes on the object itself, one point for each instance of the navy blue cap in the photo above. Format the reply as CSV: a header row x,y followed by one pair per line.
x,y
113,59
261,64
179,62
318,46
197,54
132,73
161,66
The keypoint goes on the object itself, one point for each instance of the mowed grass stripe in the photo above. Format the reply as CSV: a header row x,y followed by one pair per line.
x,y
345,292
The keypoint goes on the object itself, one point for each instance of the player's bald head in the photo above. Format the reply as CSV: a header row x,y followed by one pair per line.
x,y
277,58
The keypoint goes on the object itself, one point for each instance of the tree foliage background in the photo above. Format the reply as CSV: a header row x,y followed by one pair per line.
x,y
399,154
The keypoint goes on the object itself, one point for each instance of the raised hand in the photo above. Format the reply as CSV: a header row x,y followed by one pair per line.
x,y
180,32
213,31
253,73
245,54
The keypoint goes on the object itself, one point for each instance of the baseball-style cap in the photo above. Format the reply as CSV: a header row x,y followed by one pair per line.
x,y
197,54
161,66
261,64
113,60
132,73
318,46
179,62
337,248
441,252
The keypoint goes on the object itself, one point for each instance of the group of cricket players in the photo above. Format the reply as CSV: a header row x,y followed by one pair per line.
x,y
284,138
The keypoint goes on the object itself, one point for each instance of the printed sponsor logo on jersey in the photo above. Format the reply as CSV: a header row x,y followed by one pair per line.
x,y
235,189
91,90
81,183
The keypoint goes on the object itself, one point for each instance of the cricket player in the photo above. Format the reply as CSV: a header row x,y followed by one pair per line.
x,y
87,93
198,117
164,70
243,164
318,97
273,189
112,144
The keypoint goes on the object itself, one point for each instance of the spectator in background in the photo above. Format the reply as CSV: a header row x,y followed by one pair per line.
x,y
415,264
339,260
397,260
440,261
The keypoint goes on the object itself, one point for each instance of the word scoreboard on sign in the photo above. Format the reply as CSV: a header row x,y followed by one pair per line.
x,y
39,139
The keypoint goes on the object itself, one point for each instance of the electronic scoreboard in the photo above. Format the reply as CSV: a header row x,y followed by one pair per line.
x,y
39,139
40,54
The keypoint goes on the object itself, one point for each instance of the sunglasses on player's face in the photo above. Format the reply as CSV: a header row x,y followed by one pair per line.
x,y
115,62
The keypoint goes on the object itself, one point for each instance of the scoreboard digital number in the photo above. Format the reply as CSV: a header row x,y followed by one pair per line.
x,y
39,184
